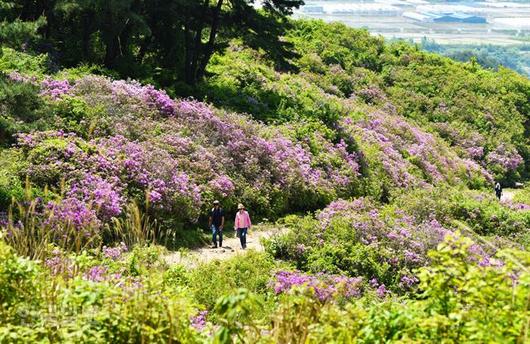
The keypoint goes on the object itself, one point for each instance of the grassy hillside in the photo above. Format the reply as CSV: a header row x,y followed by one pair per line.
x,y
482,114
379,160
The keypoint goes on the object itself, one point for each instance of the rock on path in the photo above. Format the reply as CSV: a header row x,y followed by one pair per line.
x,y
231,247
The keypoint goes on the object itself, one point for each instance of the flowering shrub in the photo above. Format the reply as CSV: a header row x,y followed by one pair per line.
x,y
504,159
55,88
408,155
179,155
199,321
72,212
116,252
383,244
324,287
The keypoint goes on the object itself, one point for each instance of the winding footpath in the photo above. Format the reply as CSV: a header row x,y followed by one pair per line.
x,y
231,247
508,195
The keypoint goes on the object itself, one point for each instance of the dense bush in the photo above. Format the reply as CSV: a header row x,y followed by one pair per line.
x,y
96,297
387,243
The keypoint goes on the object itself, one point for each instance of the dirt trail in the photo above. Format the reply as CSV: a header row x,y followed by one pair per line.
x,y
231,247
508,195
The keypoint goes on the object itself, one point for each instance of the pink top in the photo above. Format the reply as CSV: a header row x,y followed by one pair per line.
x,y
242,220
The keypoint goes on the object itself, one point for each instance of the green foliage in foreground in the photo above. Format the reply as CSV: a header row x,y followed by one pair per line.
x,y
457,301
522,196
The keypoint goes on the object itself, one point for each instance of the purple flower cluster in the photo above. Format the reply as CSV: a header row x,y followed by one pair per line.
x,y
505,157
198,322
101,173
123,91
17,77
59,265
401,237
97,273
408,281
72,212
102,195
409,155
55,88
325,287
372,95
175,153
116,252
222,185
380,288
341,207
159,100
470,143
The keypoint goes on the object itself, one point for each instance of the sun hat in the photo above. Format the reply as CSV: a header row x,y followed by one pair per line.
x,y
216,202
240,206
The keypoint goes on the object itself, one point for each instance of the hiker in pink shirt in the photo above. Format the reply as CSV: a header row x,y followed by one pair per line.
x,y
242,224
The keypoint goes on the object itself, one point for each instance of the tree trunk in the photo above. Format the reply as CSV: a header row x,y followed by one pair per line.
x,y
85,44
196,55
111,52
193,43
188,73
209,48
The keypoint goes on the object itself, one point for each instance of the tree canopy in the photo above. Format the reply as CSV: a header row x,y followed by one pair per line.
x,y
172,40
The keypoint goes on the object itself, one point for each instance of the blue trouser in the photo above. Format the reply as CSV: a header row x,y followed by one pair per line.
x,y
242,234
217,231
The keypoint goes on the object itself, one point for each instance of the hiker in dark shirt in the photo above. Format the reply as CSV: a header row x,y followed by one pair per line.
x,y
216,222
498,190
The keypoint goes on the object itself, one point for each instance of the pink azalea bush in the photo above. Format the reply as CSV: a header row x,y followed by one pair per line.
x,y
383,244
324,287
178,155
408,155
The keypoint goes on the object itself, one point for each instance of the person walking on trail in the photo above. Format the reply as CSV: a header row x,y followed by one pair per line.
x,y
242,224
216,222
498,190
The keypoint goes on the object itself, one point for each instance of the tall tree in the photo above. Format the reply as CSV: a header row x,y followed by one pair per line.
x,y
206,19
114,22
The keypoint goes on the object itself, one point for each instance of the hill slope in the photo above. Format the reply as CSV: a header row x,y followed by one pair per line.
x,y
377,159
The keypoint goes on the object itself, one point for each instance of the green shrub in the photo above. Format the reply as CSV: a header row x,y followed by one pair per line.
x,y
11,186
522,196
19,284
21,109
12,60
210,281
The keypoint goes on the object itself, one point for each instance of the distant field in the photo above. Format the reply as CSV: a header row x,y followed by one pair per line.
x,y
399,27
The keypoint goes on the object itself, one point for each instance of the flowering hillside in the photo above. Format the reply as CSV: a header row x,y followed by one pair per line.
x,y
135,143
376,160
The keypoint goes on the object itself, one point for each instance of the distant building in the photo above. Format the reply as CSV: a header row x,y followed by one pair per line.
x,y
459,18
429,17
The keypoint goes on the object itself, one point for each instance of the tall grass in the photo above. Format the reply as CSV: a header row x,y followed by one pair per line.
x,y
29,228
30,231
134,228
